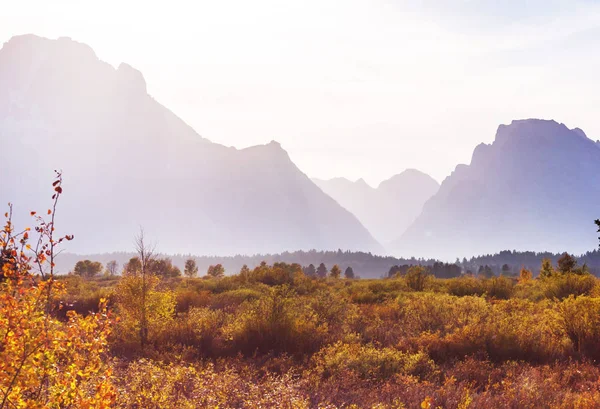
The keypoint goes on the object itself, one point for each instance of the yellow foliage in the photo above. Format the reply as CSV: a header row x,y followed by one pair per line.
x,y
46,362
144,309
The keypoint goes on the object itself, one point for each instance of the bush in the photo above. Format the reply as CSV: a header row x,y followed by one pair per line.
x,y
561,286
187,299
234,298
277,322
152,385
580,319
464,286
501,287
369,362
199,328
416,277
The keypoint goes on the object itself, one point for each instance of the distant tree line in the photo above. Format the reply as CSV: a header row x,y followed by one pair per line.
x,y
319,263
438,269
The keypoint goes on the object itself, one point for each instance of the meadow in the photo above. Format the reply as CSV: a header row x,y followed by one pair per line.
x,y
275,337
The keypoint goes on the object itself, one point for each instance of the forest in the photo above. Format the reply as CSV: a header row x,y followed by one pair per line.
x,y
363,264
278,336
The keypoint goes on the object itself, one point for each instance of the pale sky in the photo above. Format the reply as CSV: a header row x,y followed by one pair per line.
x,y
352,88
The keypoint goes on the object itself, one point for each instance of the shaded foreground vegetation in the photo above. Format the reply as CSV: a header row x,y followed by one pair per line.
x,y
274,337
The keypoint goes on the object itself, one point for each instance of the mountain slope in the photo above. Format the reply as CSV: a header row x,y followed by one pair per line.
x,y
129,161
536,187
386,211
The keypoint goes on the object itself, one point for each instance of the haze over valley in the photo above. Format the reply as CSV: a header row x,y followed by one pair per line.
x,y
128,162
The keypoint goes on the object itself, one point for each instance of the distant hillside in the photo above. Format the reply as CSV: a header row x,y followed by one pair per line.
x,y
537,186
130,162
386,211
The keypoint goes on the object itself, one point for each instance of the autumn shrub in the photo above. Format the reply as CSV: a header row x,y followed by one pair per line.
x,y
332,311
145,310
82,296
375,291
416,277
561,286
431,312
370,362
185,299
200,329
214,285
234,298
46,362
580,319
524,330
153,385
463,286
450,327
378,323
277,321
499,287
365,295
277,274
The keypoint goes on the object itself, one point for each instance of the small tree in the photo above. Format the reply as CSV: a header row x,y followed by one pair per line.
x,y
112,267
415,278
163,267
245,273
133,267
144,280
87,268
191,269
525,275
310,271
506,270
144,308
485,271
546,270
322,271
349,273
335,272
216,271
566,263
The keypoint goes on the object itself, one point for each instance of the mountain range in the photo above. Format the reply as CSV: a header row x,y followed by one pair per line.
x,y
388,210
536,187
128,162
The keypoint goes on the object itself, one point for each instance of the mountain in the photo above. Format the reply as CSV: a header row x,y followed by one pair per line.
x,y
386,211
129,162
536,187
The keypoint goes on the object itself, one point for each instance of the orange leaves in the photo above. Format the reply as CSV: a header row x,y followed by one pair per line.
x,y
46,362
62,364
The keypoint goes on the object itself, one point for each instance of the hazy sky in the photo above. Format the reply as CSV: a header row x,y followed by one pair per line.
x,y
353,88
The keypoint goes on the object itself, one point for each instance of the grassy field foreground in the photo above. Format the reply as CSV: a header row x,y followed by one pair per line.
x,y
272,337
